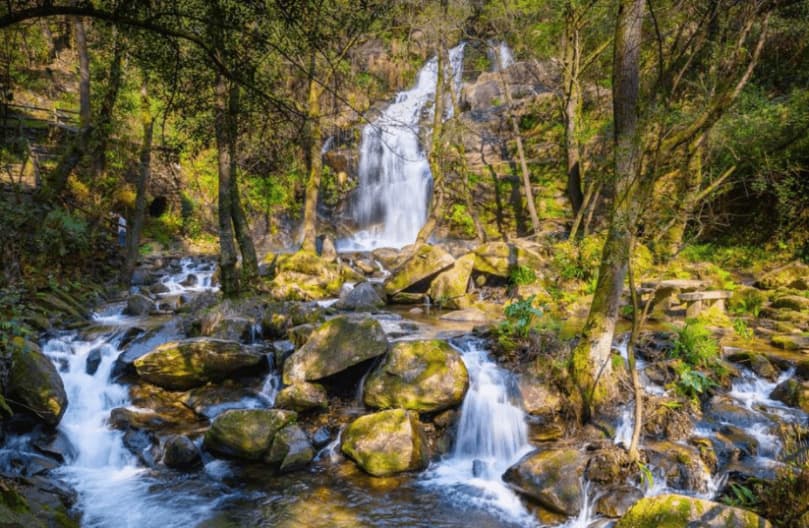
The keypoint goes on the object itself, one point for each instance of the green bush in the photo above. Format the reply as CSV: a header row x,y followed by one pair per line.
x,y
695,345
522,276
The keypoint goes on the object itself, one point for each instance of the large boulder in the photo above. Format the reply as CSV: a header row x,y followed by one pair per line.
x,y
181,365
449,288
246,433
304,276
793,392
676,511
138,304
794,275
424,376
552,478
681,465
290,449
387,442
363,297
179,452
427,262
35,385
501,258
338,344
302,396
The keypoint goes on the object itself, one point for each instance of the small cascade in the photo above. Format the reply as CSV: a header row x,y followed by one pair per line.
x,y
587,514
492,435
394,175
183,280
332,449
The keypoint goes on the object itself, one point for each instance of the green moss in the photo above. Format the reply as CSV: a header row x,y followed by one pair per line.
x,y
678,511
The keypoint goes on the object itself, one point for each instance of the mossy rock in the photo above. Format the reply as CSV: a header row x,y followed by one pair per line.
x,y
679,511
290,449
501,258
387,442
682,465
551,477
790,341
791,302
305,276
793,392
448,289
182,365
363,297
793,275
302,396
246,433
427,262
32,503
35,385
424,376
336,345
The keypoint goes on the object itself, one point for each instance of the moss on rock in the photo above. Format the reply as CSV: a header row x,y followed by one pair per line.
x,y
336,345
449,288
424,376
246,433
387,442
679,511
552,478
302,396
426,262
35,384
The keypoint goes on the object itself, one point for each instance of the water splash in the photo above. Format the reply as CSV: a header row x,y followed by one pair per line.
x,y
492,435
394,175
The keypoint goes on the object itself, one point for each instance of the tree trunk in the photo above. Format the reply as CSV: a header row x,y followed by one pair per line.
x,y
591,358
227,248
240,224
84,73
435,156
515,127
104,120
144,174
314,159
572,110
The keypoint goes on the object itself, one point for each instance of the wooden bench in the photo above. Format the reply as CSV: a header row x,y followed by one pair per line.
x,y
695,302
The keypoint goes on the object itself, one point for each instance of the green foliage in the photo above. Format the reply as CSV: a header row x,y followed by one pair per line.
x,y
63,233
578,260
742,330
460,221
741,496
522,276
695,345
692,383
520,317
747,301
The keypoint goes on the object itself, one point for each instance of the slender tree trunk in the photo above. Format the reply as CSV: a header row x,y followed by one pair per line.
x,y
638,317
240,224
315,142
436,154
84,73
104,120
591,358
227,248
144,174
515,128
572,110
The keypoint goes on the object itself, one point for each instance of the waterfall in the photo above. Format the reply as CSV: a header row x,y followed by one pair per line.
x,y
492,435
113,490
394,175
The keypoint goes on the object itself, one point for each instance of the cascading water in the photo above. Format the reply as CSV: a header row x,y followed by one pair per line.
x,y
492,435
113,489
394,175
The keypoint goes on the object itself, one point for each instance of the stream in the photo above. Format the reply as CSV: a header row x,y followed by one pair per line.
x,y
119,485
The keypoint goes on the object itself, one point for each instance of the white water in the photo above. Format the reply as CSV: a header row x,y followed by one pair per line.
x,y
492,434
113,489
394,175
188,266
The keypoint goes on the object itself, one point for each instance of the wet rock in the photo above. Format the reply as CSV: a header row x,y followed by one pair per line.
x,y
281,351
363,297
246,433
680,510
179,452
190,281
758,363
552,478
609,465
290,449
655,346
408,298
302,396
479,468
93,361
682,465
36,502
35,385
448,289
723,409
387,442
143,277
141,444
667,418
793,392
57,446
231,328
212,399
390,258
424,376
791,341
617,501
158,288
500,258
336,345
539,397
180,365
743,444
427,262
138,304
321,437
